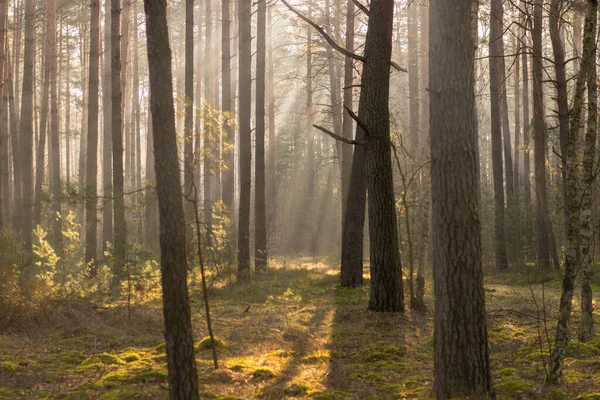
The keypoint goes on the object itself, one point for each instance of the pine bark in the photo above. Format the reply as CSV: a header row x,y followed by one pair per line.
x,y
245,105
226,107
462,365
55,156
26,130
181,361
107,208
120,233
386,292
91,214
188,166
496,125
260,218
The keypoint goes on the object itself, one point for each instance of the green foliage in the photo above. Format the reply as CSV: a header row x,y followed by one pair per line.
x,y
207,343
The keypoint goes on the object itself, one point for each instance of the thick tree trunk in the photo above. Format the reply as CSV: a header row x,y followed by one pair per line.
x,y
462,365
386,292
496,124
120,232
245,106
260,217
181,361
91,214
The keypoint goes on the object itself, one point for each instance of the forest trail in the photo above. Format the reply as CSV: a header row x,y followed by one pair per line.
x,y
291,333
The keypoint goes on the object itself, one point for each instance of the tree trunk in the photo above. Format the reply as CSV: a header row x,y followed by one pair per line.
x,y
26,129
4,185
562,99
210,151
272,180
181,361
497,167
188,166
245,105
462,365
578,228
540,135
386,292
226,107
526,120
120,232
260,218
55,182
107,207
91,216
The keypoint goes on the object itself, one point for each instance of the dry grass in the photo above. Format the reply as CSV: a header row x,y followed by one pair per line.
x,y
290,333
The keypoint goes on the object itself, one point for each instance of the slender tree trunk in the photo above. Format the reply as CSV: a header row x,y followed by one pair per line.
x,y
497,167
562,99
260,218
526,120
210,134
354,173
107,207
151,211
181,361
462,364
91,216
4,186
272,180
578,229
55,182
26,129
540,134
226,107
41,148
120,232
245,105
68,109
590,168
188,168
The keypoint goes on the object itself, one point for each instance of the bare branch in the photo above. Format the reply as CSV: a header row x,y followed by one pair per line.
x,y
362,8
324,34
337,137
360,123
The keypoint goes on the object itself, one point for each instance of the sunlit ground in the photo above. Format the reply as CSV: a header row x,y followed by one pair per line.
x,y
290,333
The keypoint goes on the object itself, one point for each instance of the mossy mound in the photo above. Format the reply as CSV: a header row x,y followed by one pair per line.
x,y
103,359
11,368
512,386
263,373
207,343
581,349
74,357
130,356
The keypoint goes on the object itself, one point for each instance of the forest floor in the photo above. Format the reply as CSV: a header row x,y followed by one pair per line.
x,y
291,332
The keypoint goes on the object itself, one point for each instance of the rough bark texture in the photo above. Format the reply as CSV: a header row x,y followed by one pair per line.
x,y
260,218
578,228
590,167
386,292
245,105
540,141
120,233
181,361
497,166
226,107
91,215
347,120
462,366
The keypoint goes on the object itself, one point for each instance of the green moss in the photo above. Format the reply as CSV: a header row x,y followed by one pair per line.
x,y
11,368
415,381
207,395
102,359
393,387
282,353
595,343
74,357
299,388
395,350
370,376
573,376
120,394
590,396
581,349
149,376
162,358
161,348
320,395
512,385
315,358
130,356
556,394
508,372
263,373
378,356
206,344
392,365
